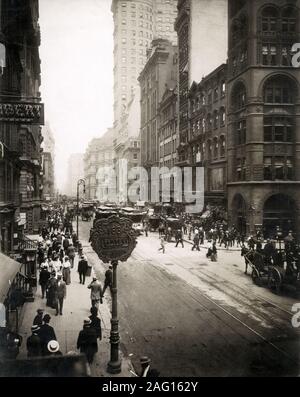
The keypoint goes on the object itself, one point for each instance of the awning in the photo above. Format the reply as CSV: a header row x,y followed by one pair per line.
x,y
8,270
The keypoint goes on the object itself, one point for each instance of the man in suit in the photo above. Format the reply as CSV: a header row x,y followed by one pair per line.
x,y
147,372
46,334
33,343
96,292
61,295
87,341
82,269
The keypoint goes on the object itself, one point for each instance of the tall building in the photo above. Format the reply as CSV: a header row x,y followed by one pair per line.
x,y
21,114
263,116
136,24
100,153
48,163
201,27
208,133
168,128
75,172
127,145
159,73
168,134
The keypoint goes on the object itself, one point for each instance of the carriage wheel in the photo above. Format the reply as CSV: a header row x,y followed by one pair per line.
x,y
256,277
275,282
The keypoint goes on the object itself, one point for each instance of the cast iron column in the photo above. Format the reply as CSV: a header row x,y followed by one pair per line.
x,y
114,365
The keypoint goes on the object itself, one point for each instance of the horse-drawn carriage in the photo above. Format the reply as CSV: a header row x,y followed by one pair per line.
x,y
279,273
87,211
154,222
172,225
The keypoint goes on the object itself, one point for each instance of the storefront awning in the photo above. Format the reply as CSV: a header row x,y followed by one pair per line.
x,y
8,270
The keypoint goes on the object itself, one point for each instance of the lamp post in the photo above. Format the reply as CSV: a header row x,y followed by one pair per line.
x,y
79,183
113,239
114,365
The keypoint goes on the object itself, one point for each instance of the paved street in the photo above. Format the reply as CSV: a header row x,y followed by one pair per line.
x,y
198,318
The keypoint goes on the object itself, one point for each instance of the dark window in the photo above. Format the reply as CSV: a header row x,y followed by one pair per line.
x,y
278,129
279,90
269,19
289,20
278,168
241,132
239,97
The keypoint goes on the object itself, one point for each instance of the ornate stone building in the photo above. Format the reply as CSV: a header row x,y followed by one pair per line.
x,y
100,153
208,133
21,114
263,116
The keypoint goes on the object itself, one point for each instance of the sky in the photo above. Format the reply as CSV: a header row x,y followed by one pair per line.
x,y
77,74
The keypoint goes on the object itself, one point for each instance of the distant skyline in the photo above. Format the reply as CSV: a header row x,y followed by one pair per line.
x,y
77,74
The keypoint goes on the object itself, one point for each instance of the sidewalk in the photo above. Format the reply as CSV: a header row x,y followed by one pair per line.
x,y
76,308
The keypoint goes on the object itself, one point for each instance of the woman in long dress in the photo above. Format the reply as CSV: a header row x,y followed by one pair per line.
x,y
66,271
52,291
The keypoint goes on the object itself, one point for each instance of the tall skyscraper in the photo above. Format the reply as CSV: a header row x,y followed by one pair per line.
x,y
136,24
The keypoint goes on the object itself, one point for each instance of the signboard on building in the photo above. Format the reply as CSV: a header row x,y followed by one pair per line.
x,y
25,113
113,239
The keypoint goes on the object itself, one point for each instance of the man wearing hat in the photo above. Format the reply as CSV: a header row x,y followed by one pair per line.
x,y
46,334
38,319
108,280
61,294
82,268
146,371
96,292
53,348
33,343
43,280
87,341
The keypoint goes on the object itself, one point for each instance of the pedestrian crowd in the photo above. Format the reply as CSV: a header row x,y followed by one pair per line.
x,y
57,248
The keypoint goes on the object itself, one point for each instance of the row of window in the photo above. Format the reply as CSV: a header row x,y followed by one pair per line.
x,y
133,42
209,98
275,168
212,121
211,150
276,54
133,6
141,24
276,129
274,20
141,33
279,90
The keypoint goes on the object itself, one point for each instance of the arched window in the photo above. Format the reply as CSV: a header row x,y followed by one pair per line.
x,y
209,122
209,149
238,97
241,132
269,19
216,119
216,148
289,19
222,117
280,89
222,146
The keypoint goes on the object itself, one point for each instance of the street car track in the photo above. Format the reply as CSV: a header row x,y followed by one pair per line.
x,y
233,316
258,334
